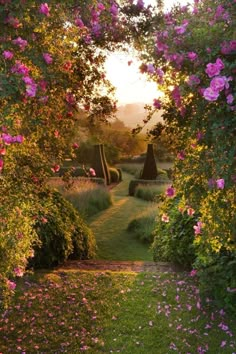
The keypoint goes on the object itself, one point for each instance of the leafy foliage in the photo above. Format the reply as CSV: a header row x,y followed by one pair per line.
x,y
174,234
62,233
143,227
149,192
191,55
115,175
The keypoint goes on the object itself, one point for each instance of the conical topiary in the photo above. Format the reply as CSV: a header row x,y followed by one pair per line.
x,y
149,169
97,163
106,168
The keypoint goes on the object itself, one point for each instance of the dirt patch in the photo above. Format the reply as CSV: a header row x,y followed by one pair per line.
x,y
121,266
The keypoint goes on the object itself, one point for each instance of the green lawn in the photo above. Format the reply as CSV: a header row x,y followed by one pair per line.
x,y
113,240
104,312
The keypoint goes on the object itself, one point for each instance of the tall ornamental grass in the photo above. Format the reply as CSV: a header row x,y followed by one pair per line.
x,y
86,196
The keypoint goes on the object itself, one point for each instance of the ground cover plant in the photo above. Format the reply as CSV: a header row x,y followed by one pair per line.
x,y
104,312
86,196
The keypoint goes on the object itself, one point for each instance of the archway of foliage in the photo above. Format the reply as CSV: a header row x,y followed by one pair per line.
x,y
191,54
51,65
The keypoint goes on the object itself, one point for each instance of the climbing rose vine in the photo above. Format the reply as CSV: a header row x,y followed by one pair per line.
x,y
51,71
192,56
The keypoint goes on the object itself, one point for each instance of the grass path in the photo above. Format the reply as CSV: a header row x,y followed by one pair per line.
x,y
109,226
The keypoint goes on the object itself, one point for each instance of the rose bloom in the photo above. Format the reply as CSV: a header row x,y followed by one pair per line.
x,y
190,211
220,183
47,58
170,192
7,54
11,285
213,69
210,94
44,9
218,83
165,218
192,56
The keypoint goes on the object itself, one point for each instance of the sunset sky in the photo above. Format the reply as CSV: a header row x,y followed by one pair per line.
x,y
130,84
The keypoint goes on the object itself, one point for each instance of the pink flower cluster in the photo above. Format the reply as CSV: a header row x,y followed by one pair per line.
x,y
218,83
5,140
7,54
181,29
170,192
157,103
21,43
214,69
44,9
198,228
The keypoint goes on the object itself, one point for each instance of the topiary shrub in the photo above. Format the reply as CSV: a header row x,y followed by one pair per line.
x,y
98,164
115,176
149,169
174,234
106,167
120,174
62,233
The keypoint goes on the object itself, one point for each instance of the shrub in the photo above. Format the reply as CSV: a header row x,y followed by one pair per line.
x,y
98,163
149,169
106,168
114,174
152,193
138,182
120,174
174,234
143,227
62,234
74,172
218,279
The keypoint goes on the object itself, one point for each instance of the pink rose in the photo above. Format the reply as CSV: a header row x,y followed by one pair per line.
x,y
7,55
11,285
47,58
230,98
220,183
157,103
44,9
210,94
165,218
198,228
218,83
214,69
22,43
192,56
170,192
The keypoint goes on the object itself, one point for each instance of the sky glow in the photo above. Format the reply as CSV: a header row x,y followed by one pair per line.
x,y
131,85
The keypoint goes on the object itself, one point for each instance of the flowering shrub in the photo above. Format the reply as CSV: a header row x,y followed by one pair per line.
x,y
174,233
193,56
51,66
